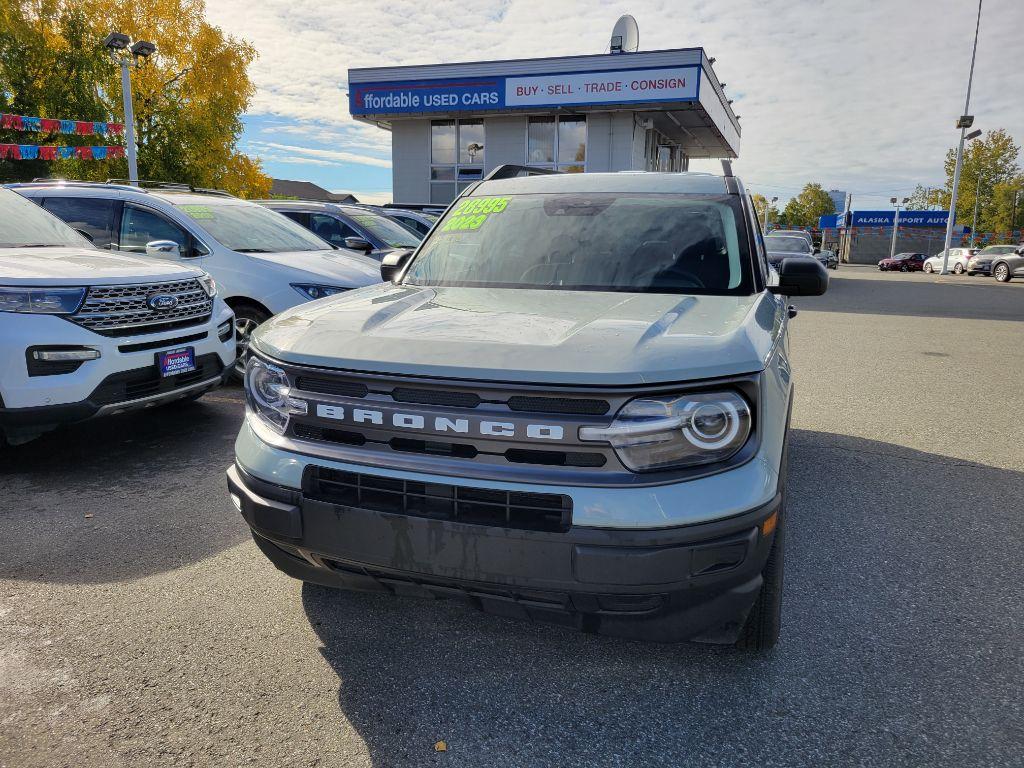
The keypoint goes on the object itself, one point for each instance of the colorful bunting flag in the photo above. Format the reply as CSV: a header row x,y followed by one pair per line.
x,y
51,125
49,152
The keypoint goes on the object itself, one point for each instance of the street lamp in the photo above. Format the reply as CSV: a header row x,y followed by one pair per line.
x,y
963,124
896,222
128,55
766,209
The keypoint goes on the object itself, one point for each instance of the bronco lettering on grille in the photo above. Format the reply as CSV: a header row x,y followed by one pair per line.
x,y
441,424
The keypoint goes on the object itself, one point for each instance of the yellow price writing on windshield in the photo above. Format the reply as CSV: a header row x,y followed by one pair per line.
x,y
471,213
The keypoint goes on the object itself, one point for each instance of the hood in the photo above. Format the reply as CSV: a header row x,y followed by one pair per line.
x,y
531,336
344,268
84,266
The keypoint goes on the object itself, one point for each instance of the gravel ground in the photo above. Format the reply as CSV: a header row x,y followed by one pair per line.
x,y
139,625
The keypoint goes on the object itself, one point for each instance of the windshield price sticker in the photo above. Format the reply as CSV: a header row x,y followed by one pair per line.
x,y
472,212
197,211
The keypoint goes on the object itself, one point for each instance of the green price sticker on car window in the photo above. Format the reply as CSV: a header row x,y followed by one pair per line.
x,y
471,213
197,211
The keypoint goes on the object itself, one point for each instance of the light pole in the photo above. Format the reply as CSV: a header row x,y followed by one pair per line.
x,y
896,222
1013,211
767,207
963,124
117,43
974,221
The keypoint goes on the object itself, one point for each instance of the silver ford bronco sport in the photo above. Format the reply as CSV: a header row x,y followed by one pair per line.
x,y
570,404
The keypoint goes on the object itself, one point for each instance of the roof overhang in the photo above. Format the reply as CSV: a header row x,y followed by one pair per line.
x,y
677,89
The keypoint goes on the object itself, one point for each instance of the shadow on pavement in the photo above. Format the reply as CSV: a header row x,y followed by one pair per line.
x,y
121,497
884,619
916,294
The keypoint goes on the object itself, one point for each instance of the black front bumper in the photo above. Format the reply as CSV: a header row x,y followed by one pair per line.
x,y
696,582
118,393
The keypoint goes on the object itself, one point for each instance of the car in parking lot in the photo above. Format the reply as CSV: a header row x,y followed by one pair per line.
x,y
787,246
903,262
348,226
263,262
420,221
795,233
957,263
582,380
981,262
1006,266
828,258
86,332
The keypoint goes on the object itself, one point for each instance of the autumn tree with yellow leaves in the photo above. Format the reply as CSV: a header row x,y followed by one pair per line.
x,y
188,97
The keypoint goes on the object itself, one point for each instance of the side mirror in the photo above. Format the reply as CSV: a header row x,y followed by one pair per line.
x,y
163,249
358,244
393,264
801,277
86,235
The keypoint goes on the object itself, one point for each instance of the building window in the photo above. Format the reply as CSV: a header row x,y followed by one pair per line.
x,y
558,143
456,157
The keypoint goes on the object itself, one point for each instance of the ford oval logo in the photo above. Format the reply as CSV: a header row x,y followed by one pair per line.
x,y
162,301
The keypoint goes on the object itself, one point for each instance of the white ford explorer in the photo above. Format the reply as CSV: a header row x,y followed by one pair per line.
x,y
86,332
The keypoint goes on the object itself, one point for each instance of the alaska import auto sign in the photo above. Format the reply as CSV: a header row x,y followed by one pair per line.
x,y
495,93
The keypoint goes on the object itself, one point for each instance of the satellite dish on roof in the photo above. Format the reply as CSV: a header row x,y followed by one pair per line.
x,y
625,35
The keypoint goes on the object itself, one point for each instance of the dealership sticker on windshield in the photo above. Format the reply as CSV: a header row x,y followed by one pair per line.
x,y
197,211
471,213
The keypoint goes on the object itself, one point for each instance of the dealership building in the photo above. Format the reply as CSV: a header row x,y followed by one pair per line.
x,y
452,123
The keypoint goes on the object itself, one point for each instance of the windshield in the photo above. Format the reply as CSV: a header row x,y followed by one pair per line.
x,y
23,223
251,228
393,234
606,242
786,244
995,250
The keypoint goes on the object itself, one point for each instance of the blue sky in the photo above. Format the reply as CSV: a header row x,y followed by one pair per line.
x,y
856,96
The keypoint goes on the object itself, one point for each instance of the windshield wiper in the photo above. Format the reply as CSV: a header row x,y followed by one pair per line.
x,y
251,250
37,245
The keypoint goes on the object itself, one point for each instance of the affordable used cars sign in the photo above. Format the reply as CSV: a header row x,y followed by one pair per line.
x,y
495,93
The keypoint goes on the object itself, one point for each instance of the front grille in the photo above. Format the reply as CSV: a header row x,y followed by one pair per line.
x,y
122,310
330,387
581,406
145,382
439,501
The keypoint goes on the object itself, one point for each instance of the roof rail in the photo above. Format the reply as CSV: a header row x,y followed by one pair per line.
x,y
69,183
144,184
510,171
427,207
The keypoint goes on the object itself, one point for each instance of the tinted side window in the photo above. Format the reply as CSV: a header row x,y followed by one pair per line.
x,y
139,226
298,217
331,229
89,214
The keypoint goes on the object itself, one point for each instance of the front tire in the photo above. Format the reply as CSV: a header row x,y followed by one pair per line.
x,y
958,269
761,630
1001,273
247,319
904,268
928,268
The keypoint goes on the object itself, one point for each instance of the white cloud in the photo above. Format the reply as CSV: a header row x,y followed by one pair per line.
x,y
860,96
312,155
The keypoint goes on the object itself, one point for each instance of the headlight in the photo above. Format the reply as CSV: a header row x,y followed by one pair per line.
x,y
677,431
314,291
48,301
209,285
267,393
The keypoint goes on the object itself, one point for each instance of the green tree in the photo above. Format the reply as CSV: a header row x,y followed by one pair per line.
x,y
188,97
1007,206
760,205
990,164
805,209
924,198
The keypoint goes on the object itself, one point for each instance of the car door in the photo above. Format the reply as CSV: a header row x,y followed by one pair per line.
x,y
333,229
141,225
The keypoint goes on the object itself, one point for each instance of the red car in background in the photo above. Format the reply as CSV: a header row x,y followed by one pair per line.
x,y
903,262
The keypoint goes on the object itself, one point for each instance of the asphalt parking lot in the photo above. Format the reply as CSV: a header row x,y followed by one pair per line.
x,y
139,625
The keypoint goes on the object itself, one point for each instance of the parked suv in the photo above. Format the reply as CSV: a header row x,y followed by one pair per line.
x,y
981,262
349,226
84,332
1006,266
262,262
420,221
570,403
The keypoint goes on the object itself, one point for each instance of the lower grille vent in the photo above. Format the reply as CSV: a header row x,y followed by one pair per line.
x,y
477,506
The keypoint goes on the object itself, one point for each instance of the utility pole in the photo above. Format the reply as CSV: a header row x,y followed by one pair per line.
x,y
896,223
768,206
974,221
118,46
963,124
